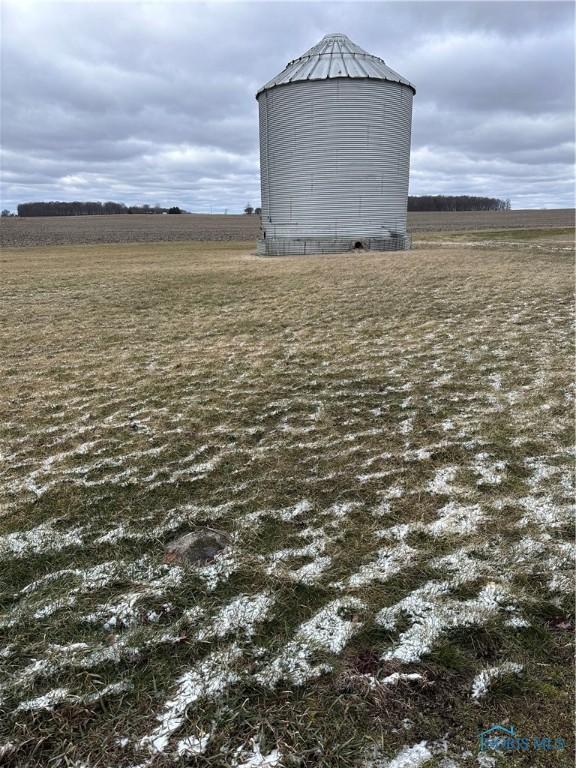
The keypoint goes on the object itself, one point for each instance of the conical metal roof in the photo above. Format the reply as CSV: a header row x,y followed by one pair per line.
x,y
335,56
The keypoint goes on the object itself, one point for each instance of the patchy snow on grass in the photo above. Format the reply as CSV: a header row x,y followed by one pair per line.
x,y
392,680
192,745
483,680
456,519
286,514
406,426
207,680
118,534
108,690
309,572
252,757
517,622
463,567
7,749
383,509
495,380
445,378
432,612
490,472
340,510
375,475
399,532
417,429
531,554
243,614
125,611
408,757
172,519
389,562
315,547
82,656
42,539
541,471
397,677
394,492
53,607
298,509
47,701
486,761
545,512
417,454
218,571
293,664
442,482
329,630
154,579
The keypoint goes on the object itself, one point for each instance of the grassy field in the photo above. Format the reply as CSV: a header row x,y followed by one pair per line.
x,y
385,438
90,230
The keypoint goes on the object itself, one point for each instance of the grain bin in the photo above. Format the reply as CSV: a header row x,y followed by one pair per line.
x,y
334,153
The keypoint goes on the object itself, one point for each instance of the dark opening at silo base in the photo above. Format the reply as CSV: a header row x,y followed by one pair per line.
x,y
301,246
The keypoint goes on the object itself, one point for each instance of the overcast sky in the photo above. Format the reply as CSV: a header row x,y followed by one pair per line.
x,y
154,102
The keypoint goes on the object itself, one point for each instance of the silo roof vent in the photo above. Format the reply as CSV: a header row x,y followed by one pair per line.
x,y
335,56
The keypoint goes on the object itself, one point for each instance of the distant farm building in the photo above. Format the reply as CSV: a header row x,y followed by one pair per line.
x,y
334,153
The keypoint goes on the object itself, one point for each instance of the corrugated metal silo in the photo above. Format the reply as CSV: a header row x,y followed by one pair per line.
x,y
334,153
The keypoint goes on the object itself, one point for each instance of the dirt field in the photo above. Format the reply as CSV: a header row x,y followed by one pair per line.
x,y
68,230
385,441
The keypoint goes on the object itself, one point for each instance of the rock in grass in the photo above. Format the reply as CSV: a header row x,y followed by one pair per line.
x,y
200,546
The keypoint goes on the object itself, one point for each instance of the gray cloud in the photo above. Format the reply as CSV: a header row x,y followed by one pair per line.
x,y
154,102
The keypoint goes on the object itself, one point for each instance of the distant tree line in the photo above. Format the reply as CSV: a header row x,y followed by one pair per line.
x,y
421,203
457,203
76,208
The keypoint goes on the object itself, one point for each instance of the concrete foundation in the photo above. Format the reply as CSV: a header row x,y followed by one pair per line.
x,y
299,246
